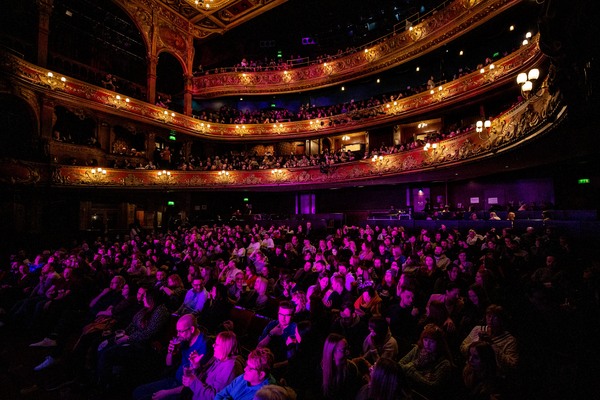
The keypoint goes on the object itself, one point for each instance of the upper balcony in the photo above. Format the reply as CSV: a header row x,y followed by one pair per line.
x,y
73,93
441,27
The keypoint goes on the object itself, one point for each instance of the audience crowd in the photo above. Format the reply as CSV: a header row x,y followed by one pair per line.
x,y
366,312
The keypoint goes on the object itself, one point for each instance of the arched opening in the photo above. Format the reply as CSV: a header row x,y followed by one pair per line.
x,y
96,38
169,81
18,136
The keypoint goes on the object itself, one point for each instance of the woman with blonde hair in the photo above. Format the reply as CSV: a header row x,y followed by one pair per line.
x,y
220,370
340,375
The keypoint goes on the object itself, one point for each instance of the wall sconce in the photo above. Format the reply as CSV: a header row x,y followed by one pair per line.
x,y
526,81
434,151
202,127
481,125
278,128
224,177
278,175
316,125
392,108
118,101
241,130
437,94
163,176
345,138
53,82
166,117
379,163
95,175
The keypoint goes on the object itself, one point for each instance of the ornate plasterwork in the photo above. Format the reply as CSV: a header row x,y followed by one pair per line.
x,y
450,22
84,95
196,20
516,126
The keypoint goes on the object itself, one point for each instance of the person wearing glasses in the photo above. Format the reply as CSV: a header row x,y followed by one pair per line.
x,y
256,375
220,371
276,333
189,340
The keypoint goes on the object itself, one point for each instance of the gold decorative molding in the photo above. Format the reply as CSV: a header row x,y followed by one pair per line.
x,y
75,94
458,18
515,127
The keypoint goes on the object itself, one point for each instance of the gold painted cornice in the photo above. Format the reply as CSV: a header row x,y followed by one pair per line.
x,y
458,18
515,127
74,93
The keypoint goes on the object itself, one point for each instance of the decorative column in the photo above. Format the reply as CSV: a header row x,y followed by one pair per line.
x,y
44,13
151,81
188,77
187,149
150,146
47,118
104,136
187,94
152,58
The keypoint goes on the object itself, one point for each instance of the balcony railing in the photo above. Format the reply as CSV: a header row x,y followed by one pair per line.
x,y
520,124
65,90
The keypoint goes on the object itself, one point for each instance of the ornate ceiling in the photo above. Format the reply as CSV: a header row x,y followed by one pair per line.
x,y
218,16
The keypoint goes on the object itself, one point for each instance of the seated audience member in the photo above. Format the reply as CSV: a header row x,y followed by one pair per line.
x,y
340,376
276,333
189,342
301,312
174,291
195,298
387,288
236,288
45,289
403,318
452,274
335,296
380,342
480,375
114,317
258,298
368,304
134,348
503,343
387,381
428,366
108,297
257,374
215,308
220,371
303,356
474,312
354,328
275,392
452,301
466,267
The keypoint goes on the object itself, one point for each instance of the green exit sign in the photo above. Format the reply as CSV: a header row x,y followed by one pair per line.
x,y
583,181
170,203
